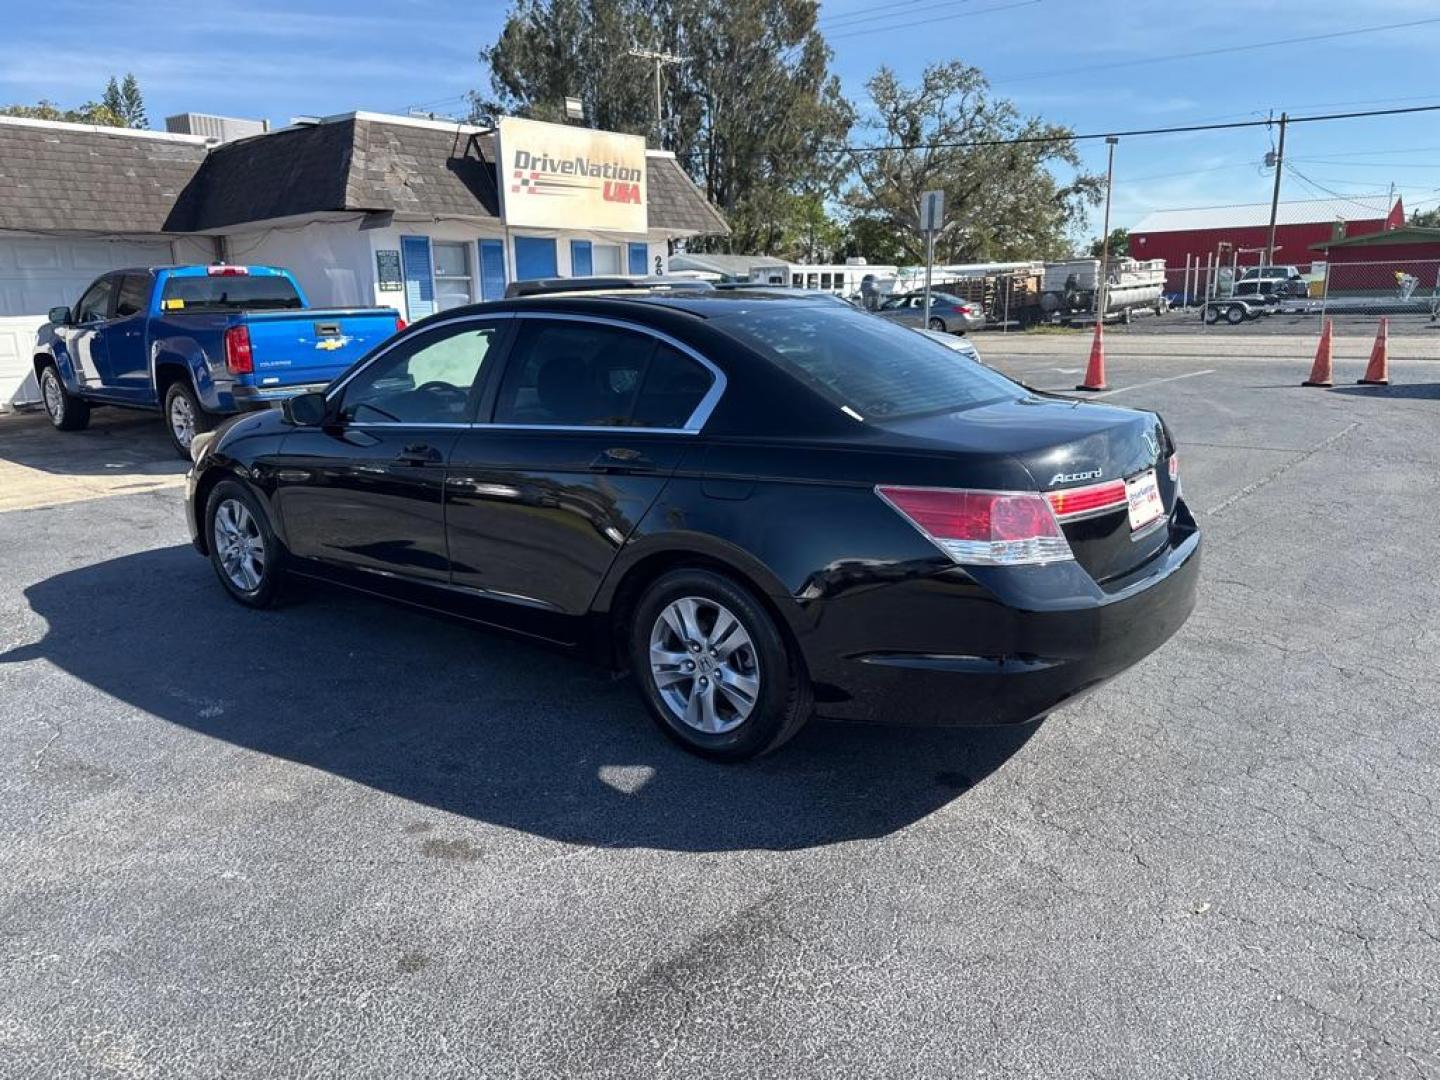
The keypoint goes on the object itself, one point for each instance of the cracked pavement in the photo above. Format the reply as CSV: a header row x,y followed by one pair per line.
x,y
345,839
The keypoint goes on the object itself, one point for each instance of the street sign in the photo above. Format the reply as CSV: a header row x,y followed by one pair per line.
x,y
932,216
932,211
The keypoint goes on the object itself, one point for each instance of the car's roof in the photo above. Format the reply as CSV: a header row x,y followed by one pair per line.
x,y
703,305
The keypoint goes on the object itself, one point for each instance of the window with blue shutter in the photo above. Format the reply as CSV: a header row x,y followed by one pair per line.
x,y
534,258
419,277
492,269
581,265
639,258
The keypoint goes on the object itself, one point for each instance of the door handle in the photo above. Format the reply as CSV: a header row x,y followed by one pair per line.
x,y
620,459
419,454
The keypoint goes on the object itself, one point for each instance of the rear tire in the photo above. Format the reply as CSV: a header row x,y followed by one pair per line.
x,y
184,417
244,551
1235,314
937,324
66,411
715,672
1212,315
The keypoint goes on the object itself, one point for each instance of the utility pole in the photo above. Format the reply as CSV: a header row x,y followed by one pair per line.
x,y
660,59
1275,198
1102,299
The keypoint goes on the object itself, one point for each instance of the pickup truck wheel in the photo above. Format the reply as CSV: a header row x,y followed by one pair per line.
x,y
184,418
243,550
66,411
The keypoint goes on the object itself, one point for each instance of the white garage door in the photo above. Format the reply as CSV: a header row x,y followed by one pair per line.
x,y
38,273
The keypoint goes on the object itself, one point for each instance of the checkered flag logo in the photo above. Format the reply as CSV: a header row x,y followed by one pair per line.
x,y
524,181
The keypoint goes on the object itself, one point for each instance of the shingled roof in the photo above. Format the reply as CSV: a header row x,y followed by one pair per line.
x,y
79,178
72,176
356,163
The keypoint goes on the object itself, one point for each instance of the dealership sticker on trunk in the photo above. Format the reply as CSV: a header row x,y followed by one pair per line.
x,y
1144,497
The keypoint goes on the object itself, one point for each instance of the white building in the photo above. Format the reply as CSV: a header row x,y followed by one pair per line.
x,y
364,208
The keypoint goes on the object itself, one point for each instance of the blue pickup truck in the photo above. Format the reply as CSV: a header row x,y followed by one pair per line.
x,y
196,343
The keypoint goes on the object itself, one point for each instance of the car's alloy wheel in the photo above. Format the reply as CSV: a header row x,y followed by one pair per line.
x,y
1235,315
704,665
937,324
239,545
714,667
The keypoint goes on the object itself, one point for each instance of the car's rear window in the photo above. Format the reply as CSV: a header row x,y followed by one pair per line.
x,y
867,365
229,293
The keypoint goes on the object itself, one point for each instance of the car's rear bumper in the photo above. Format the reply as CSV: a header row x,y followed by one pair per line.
x,y
993,661
245,398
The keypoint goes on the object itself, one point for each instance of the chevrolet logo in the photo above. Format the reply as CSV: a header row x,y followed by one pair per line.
x,y
330,344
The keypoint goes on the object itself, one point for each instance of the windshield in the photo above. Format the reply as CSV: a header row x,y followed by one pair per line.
x,y
229,293
871,368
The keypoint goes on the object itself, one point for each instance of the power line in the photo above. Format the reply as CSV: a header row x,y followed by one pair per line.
x,y
882,11
1022,140
1218,51
872,30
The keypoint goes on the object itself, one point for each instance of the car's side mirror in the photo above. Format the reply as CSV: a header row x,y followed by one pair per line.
x,y
307,410
59,316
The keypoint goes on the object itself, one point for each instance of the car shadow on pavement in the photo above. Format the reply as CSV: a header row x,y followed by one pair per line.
x,y
472,722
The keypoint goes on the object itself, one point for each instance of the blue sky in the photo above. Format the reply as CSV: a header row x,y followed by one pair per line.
x,y
1093,66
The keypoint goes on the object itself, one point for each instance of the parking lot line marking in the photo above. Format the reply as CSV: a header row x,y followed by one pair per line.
x,y
1155,382
1276,473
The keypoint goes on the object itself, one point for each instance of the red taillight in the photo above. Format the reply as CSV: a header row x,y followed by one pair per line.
x,y
239,360
1091,499
399,324
962,310
222,270
988,528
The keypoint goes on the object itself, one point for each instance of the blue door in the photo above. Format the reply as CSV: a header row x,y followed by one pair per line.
x,y
581,264
492,269
534,258
639,256
419,277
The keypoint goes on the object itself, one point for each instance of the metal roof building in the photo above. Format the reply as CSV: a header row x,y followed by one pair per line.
x,y
1200,231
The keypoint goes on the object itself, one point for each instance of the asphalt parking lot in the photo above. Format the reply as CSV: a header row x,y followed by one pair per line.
x,y
344,839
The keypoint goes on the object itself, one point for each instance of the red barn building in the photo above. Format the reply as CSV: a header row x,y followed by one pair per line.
x,y
1173,234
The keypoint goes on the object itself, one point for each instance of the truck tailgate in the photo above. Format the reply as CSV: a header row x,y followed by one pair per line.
x,y
313,345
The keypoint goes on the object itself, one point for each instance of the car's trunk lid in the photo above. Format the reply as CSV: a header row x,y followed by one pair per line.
x,y
1067,445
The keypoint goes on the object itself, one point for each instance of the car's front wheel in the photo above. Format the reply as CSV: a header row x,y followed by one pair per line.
x,y
66,411
243,549
184,418
714,669
937,324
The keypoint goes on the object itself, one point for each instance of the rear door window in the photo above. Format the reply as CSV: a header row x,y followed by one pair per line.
x,y
872,368
133,296
564,373
229,293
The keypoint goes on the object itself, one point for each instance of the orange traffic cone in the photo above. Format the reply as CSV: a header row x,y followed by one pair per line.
x,y
1095,373
1378,373
1322,374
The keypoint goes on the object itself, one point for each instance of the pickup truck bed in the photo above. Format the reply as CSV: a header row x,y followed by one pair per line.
x,y
198,343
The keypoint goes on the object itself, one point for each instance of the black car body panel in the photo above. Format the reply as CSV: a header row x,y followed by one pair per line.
x,y
548,531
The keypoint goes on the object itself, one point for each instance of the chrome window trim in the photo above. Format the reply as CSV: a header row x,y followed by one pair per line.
x,y
692,426
698,416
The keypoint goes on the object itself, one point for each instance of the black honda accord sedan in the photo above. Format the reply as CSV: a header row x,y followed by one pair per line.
x,y
764,508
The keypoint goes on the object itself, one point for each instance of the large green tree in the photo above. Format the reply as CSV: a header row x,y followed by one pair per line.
x,y
1003,199
753,113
